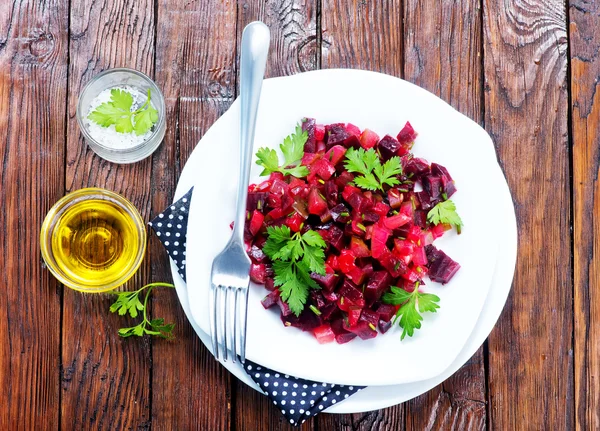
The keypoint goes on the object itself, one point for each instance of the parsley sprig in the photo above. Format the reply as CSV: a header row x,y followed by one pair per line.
x,y
412,305
294,258
293,151
374,174
445,212
118,111
129,302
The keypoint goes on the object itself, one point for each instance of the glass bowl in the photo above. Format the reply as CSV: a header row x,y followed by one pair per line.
x,y
115,78
93,240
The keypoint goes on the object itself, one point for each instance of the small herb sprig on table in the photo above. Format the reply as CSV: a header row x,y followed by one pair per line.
x,y
129,302
118,111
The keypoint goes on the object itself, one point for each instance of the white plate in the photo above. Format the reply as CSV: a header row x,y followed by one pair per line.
x,y
378,397
445,136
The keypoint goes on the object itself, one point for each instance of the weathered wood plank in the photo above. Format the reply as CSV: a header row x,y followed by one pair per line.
x,y
106,379
526,106
363,35
33,71
194,67
293,49
585,77
442,42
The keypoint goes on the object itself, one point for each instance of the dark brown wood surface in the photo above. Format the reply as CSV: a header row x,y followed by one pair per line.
x,y
528,71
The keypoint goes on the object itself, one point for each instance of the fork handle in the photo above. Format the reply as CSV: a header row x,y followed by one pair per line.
x,y
255,47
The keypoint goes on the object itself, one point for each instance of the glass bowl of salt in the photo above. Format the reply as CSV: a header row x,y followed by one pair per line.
x,y
121,114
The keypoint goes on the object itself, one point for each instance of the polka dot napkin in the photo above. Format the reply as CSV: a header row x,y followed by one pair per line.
x,y
297,399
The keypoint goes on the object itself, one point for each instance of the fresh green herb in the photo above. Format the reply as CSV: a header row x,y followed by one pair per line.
x,y
375,175
315,310
129,302
412,305
294,258
345,214
118,111
445,212
293,151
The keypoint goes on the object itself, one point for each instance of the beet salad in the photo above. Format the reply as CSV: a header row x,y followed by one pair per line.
x,y
340,237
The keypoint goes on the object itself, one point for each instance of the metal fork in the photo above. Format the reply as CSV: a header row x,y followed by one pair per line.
x,y
228,298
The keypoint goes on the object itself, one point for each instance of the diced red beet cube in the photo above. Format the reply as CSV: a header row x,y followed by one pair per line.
x,y
323,168
307,321
417,166
381,209
419,256
364,330
256,254
396,221
438,230
343,179
356,201
407,134
257,201
346,261
448,186
420,218
369,316
309,158
351,292
340,213
407,209
316,202
336,134
378,283
256,222
258,272
335,154
335,237
345,338
284,307
387,311
403,247
329,311
368,139
341,335
269,284
319,132
327,281
357,275
425,200
395,197
388,147
331,296
353,316
370,217
440,171
275,176
384,326
294,222
270,300
349,191
395,266
379,240
324,334
441,267
411,275
433,186
414,234
353,130
308,125
317,299
359,248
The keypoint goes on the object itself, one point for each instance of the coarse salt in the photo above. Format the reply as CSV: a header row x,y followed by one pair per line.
x,y
108,136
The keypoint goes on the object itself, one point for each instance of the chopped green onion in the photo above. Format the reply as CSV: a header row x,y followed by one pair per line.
x,y
258,205
361,227
345,214
321,181
314,310
372,327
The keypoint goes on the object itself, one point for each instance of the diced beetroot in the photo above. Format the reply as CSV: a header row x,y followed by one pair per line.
x,y
317,299
297,187
369,316
414,235
411,275
309,158
319,132
379,240
381,209
331,194
358,247
343,179
294,222
346,261
353,130
387,311
448,187
270,300
307,321
407,209
276,176
327,281
353,316
332,262
433,186
378,283
336,134
438,230
257,200
341,335
384,326
370,217
279,190
419,256
417,166
368,139
427,238
349,191
256,254
269,284
395,266
440,171
323,168
256,222
357,227
284,307
404,247
420,218
335,154
395,197
425,201
340,213
331,296
344,338
316,202
364,330
388,147
396,221
407,134
325,217
278,213
350,292
357,275
441,267
356,201
308,125
335,237
258,272
324,334
329,311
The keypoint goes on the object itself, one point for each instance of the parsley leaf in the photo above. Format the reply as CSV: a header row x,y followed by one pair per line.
x,y
293,151
375,175
130,302
445,212
294,258
412,305
117,111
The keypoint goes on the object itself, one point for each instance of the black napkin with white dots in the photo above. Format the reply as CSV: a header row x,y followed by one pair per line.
x,y
298,399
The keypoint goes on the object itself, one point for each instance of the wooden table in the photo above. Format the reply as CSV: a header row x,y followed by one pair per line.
x,y
527,70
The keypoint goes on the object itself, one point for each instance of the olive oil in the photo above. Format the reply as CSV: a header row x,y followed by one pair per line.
x,y
95,242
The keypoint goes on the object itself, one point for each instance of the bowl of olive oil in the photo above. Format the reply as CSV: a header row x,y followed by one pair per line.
x,y
93,240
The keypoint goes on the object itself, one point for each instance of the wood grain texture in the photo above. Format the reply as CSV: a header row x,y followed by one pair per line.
x,y
585,95
363,35
293,50
194,67
526,105
442,42
106,379
33,69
